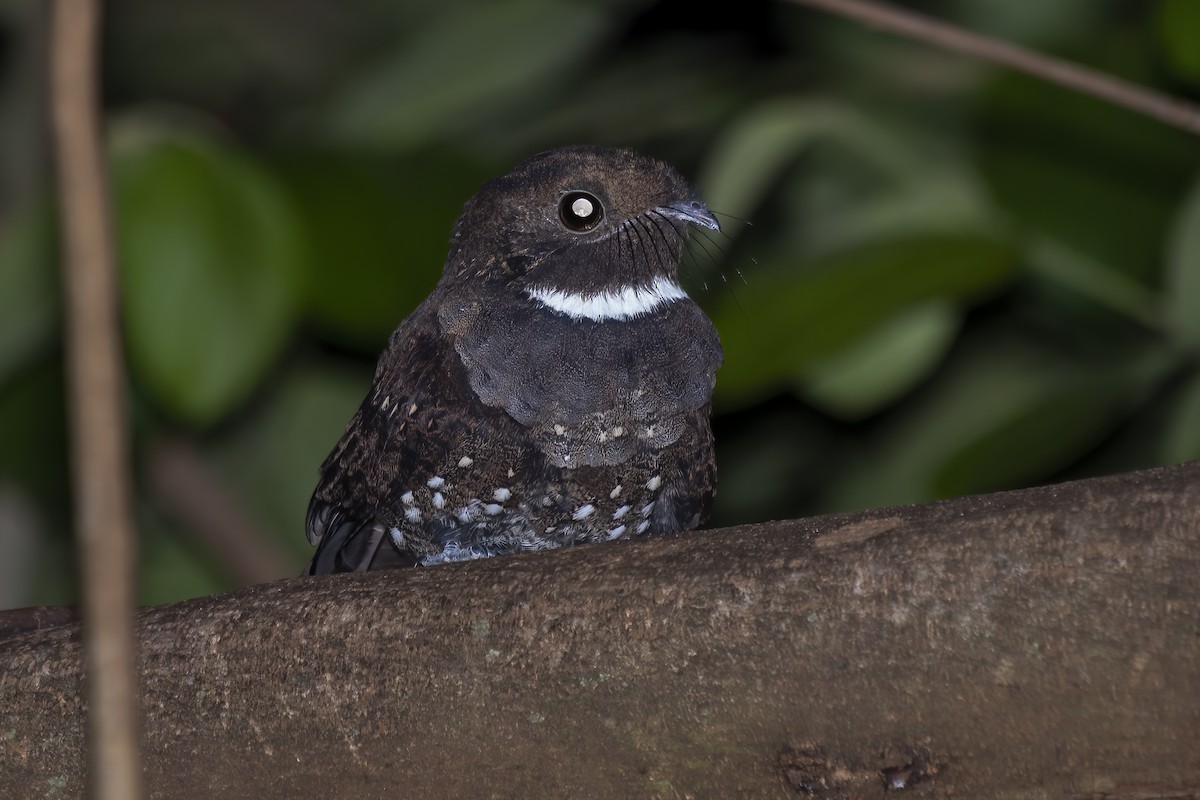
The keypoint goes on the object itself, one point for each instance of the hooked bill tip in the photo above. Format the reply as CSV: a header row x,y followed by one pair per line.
x,y
693,211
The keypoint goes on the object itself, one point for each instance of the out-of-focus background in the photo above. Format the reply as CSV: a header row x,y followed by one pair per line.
x,y
956,279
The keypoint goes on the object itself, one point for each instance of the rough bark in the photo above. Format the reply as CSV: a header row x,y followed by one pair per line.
x,y
1040,643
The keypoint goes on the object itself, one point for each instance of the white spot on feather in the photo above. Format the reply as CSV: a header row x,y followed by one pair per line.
x,y
616,532
584,511
502,494
407,498
412,515
654,483
439,501
436,482
615,492
643,526
622,511
466,461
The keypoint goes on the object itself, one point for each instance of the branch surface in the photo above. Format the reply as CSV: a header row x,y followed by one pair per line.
x,y
1040,643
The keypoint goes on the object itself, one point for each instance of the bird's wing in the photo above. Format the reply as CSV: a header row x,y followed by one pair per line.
x,y
386,441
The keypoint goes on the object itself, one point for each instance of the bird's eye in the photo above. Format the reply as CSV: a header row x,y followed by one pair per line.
x,y
580,211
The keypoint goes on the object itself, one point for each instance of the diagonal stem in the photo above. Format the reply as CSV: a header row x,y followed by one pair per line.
x,y
100,457
1053,70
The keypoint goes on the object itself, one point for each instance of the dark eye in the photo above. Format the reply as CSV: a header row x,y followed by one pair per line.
x,y
580,211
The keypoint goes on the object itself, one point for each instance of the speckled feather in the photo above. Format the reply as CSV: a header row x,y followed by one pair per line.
x,y
497,423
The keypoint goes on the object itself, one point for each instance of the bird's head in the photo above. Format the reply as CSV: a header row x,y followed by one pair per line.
x,y
588,230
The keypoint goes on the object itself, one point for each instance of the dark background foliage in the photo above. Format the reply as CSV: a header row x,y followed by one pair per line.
x,y
956,279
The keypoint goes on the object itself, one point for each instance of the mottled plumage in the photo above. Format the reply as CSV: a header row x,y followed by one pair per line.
x,y
553,389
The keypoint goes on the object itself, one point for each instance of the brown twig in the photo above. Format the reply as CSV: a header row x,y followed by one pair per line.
x,y
107,545
1072,76
190,491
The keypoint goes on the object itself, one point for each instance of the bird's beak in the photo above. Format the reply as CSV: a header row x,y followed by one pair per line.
x,y
692,211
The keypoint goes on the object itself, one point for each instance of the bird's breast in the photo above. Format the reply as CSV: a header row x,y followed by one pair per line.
x,y
590,392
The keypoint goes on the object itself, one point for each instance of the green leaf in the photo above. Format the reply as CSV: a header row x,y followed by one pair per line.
x,y
1030,23
170,571
763,143
1179,26
1183,271
788,320
33,439
377,233
271,461
212,272
639,97
1042,431
29,287
1096,181
34,466
883,364
472,60
1005,413
1180,438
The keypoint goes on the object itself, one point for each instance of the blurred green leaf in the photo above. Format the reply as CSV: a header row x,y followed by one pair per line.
x,y
212,272
29,296
1096,283
883,364
641,96
1113,224
764,460
377,233
1180,438
1029,23
1006,412
1179,26
472,59
1096,180
271,461
1183,271
762,144
33,460
944,199
1037,434
168,571
785,321
33,438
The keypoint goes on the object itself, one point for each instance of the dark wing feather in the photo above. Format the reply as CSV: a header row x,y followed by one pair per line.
x,y
349,516
346,545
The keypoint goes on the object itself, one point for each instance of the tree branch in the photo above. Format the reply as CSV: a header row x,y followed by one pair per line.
x,y
96,374
1035,643
1053,70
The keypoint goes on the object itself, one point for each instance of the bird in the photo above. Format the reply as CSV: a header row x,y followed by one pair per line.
x,y
554,388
